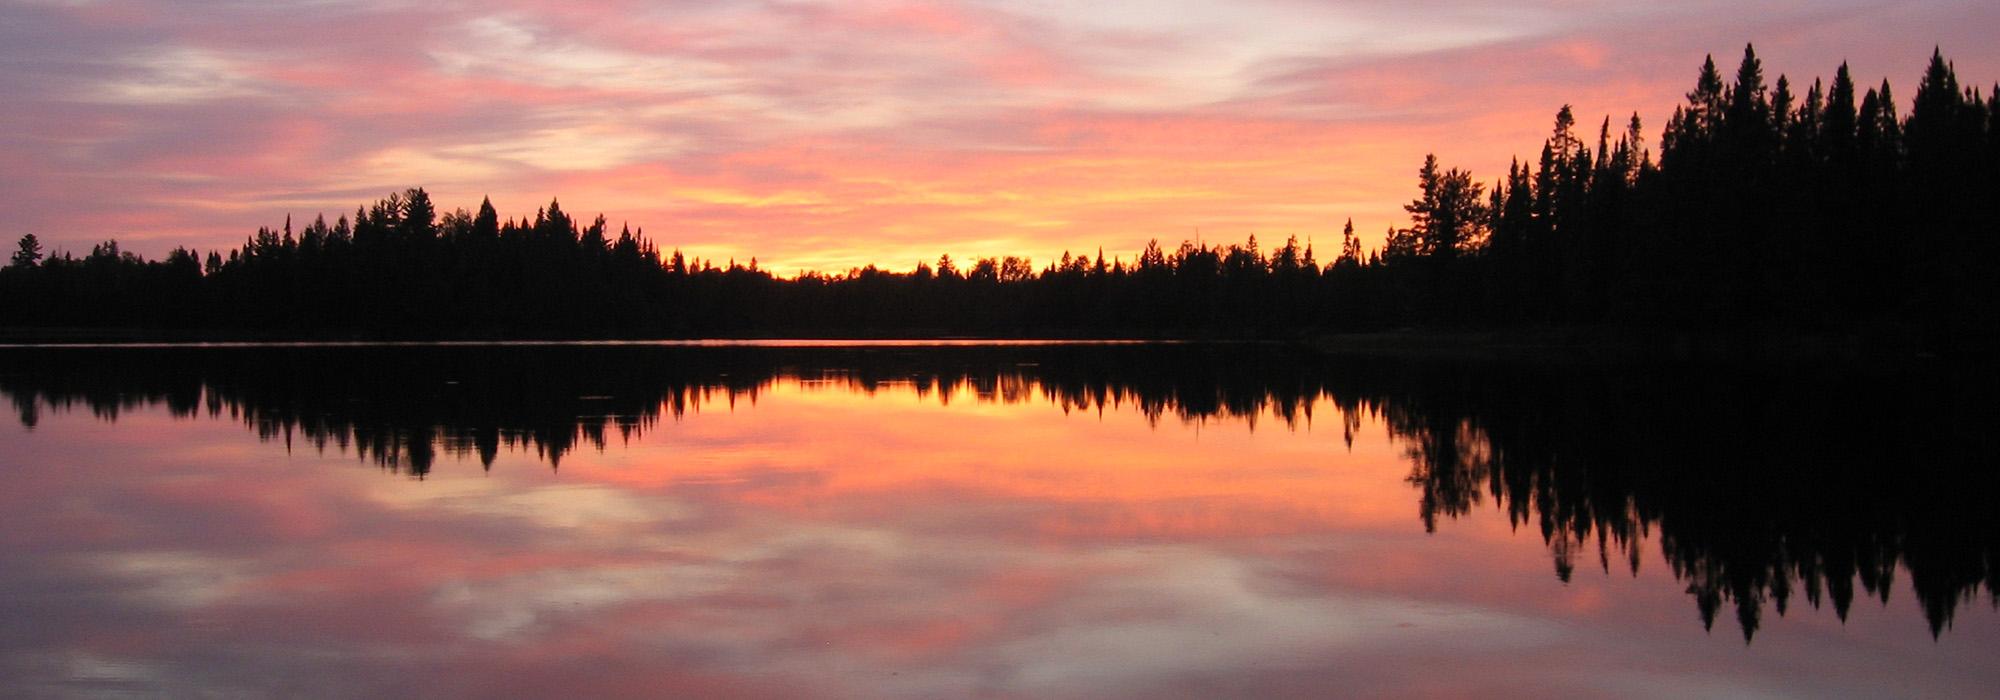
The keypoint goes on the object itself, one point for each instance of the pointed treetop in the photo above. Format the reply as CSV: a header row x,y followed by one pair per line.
x,y
1707,96
29,252
1750,75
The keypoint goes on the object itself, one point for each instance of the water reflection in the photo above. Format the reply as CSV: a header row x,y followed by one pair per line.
x,y
1757,490
399,405
1760,488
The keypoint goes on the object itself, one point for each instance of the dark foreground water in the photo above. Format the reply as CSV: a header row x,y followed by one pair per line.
x,y
1031,521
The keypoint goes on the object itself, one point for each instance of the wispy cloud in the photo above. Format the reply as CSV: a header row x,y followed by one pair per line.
x,y
826,135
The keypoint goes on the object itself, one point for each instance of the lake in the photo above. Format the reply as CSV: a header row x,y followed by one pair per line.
x,y
994,520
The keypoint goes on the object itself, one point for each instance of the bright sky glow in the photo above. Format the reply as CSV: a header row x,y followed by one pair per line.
x,y
826,135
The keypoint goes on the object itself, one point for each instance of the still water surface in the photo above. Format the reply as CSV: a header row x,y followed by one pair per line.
x,y
1007,521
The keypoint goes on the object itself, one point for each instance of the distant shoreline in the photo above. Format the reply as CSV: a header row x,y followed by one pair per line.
x,y
1768,229
17,338
1625,346
1560,345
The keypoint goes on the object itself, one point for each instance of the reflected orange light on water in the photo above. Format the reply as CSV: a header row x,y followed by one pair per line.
x,y
812,537
1164,471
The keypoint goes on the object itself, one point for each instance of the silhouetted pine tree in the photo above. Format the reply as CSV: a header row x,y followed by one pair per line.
x,y
1764,212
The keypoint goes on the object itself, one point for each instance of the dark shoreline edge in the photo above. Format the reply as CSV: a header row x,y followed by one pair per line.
x,y
1554,345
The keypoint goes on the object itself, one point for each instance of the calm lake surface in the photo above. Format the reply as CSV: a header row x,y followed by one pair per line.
x,y
895,520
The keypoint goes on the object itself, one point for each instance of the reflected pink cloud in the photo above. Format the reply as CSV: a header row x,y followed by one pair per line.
x,y
825,538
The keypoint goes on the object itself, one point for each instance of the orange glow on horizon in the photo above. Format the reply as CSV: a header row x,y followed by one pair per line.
x,y
832,136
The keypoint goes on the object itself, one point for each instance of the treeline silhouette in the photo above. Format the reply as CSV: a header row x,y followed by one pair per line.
x,y
1824,212
1767,211
1759,488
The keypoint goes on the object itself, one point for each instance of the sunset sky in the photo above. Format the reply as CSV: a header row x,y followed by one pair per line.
x,y
825,135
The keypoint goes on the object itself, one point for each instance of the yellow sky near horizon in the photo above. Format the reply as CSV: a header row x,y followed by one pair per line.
x,y
827,136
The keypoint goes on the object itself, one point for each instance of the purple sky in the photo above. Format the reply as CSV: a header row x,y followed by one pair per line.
x,y
828,135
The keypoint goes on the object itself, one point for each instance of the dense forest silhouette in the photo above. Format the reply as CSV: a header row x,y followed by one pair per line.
x,y
1772,208
1760,488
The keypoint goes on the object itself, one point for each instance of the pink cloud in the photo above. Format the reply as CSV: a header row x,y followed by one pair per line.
x,y
835,135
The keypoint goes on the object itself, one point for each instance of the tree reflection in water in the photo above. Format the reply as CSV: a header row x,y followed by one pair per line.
x,y
1757,487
